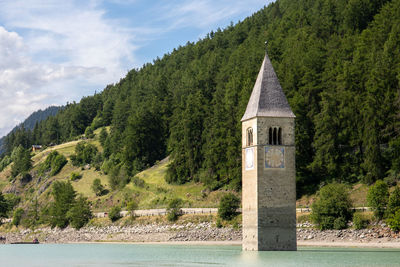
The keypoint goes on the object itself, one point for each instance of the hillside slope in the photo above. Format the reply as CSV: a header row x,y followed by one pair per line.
x,y
148,188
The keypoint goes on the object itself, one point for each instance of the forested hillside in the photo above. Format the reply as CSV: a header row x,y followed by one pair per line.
x,y
338,62
30,122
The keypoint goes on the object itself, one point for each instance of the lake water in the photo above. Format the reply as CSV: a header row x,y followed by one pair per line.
x,y
81,255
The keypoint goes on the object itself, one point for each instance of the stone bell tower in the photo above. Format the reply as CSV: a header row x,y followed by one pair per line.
x,y
268,167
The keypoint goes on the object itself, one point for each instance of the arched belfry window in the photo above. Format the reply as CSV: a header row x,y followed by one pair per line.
x,y
280,136
249,136
275,136
270,136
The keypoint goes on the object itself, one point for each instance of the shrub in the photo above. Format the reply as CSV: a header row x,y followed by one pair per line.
x,y
115,213
394,202
57,164
84,154
332,208
89,132
377,198
75,176
53,164
4,162
97,187
394,221
26,178
228,206
174,209
118,177
80,213
4,207
359,221
138,182
218,224
392,178
12,200
98,161
340,223
17,216
132,206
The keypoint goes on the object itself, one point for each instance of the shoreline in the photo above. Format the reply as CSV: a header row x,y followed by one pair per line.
x,y
205,233
300,244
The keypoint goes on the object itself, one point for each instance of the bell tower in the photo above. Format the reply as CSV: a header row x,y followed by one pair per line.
x,y
268,167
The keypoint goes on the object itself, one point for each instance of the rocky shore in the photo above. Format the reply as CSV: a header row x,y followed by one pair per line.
x,y
136,233
206,231
375,234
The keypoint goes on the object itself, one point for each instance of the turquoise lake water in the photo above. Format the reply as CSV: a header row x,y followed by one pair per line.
x,y
81,255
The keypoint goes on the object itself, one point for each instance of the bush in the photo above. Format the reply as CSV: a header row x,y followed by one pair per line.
x,y
17,216
4,162
4,207
57,164
89,132
132,206
97,187
228,206
138,182
340,223
377,198
98,161
218,224
84,154
80,213
332,208
12,200
115,213
75,176
174,209
394,221
359,221
394,202
25,178
118,177
53,164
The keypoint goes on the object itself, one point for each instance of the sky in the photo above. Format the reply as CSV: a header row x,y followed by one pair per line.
x,y
56,51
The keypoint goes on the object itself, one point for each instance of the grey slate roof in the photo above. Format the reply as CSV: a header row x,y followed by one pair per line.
x,y
267,98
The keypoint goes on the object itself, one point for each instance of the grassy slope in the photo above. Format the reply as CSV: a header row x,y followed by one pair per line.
x,y
154,194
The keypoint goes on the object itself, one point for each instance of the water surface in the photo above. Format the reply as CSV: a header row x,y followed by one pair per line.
x,y
46,255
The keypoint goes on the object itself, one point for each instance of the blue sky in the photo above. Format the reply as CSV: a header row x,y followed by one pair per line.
x,y
56,51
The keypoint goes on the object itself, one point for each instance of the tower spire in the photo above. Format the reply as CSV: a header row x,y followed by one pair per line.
x,y
267,98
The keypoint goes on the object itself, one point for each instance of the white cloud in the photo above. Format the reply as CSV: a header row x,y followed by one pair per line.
x,y
205,14
64,48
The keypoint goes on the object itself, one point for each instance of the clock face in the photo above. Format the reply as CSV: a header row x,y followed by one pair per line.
x,y
274,157
249,158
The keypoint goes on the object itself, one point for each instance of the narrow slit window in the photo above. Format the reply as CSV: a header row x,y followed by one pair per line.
x,y
275,141
249,136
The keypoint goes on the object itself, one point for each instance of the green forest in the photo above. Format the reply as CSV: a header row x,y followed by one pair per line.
x,y
338,62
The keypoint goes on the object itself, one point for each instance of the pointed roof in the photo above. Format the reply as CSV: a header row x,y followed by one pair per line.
x,y
267,98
